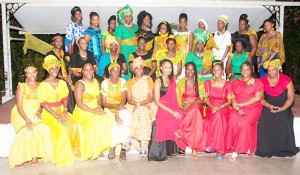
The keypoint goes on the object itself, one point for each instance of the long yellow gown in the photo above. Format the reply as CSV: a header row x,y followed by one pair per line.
x,y
96,129
29,144
64,136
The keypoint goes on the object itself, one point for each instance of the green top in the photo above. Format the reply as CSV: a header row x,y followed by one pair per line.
x,y
124,32
237,61
192,57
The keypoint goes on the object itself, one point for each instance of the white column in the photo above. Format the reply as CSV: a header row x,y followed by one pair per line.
x,y
6,56
281,19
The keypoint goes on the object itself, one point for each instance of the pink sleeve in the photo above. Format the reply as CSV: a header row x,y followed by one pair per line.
x,y
258,85
228,87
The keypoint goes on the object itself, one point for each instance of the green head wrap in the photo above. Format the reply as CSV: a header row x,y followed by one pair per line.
x,y
122,12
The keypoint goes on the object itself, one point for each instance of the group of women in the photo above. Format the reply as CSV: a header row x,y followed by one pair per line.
x,y
156,93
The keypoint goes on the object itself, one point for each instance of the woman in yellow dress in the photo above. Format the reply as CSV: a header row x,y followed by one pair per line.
x,y
32,139
95,123
53,97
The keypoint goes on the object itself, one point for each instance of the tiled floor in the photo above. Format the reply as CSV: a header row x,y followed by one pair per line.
x,y
203,164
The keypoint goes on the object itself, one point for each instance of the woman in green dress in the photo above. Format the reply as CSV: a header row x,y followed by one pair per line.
x,y
125,34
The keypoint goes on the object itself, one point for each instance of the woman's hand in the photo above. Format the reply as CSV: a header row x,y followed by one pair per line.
x,y
38,115
215,109
98,110
186,106
118,120
241,112
176,115
29,125
121,107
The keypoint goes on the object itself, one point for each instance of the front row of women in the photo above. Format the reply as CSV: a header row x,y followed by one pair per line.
x,y
167,116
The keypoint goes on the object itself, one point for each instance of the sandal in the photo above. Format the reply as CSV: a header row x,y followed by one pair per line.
x,y
34,161
234,156
112,153
194,153
20,166
208,149
181,153
143,153
219,156
122,157
127,144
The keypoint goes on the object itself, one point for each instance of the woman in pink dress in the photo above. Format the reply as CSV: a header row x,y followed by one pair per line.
x,y
190,94
242,125
219,98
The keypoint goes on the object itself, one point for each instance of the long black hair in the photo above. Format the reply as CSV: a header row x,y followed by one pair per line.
x,y
113,17
169,30
172,72
195,77
141,16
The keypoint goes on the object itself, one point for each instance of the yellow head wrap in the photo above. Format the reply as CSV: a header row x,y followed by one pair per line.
x,y
51,61
224,18
137,62
109,40
29,69
275,63
122,12
112,65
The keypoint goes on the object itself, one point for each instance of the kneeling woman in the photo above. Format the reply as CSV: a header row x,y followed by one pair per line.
x,y
190,94
32,139
96,125
53,97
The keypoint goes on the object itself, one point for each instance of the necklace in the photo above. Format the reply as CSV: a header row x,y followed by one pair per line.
x,y
128,25
200,55
83,58
113,60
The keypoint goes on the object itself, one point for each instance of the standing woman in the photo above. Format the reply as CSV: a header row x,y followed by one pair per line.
x,y
200,57
275,126
219,98
270,46
74,31
140,102
110,32
168,116
149,64
183,37
248,37
93,36
53,97
163,32
144,21
32,139
190,94
203,27
125,34
114,93
243,117
95,123
174,55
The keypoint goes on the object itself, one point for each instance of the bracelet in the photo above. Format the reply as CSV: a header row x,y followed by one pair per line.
x,y
66,109
222,106
27,121
237,108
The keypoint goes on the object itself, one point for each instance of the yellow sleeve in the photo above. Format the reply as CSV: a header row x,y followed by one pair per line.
x,y
201,89
63,89
150,83
42,92
131,58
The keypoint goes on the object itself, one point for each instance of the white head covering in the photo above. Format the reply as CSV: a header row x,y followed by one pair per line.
x,y
224,18
204,22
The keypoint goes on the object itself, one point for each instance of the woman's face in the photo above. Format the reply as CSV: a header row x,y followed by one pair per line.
x,y
166,68
113,47
78,16
128,19
31,75
221,25
141,44
201,25
268,26
138,71
246,71
182,23
58,43
239,47
95,21
199,46
112,24
272,72
114,72
88,71
53,71
217,71
146,21
189,71
243,26
171,45
163,29
82,44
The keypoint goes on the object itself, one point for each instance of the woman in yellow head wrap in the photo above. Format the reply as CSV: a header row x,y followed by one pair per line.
x,y
275,126
53,97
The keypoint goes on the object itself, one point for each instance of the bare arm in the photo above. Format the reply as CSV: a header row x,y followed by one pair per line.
x,y
154,47
225,53
19,103
103,46
256,98
157,86
153,70
253,43
290,97
124,69
179,69
78,92
87,38
228,65
191,39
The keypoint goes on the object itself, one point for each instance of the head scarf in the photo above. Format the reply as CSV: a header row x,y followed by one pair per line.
x,y
51,61
122,12
30,68
109,40
74,10
223,18
204,22
201,35
137,62
112,65
275,63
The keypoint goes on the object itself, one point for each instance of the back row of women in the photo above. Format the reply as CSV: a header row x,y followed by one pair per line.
x,y
173,112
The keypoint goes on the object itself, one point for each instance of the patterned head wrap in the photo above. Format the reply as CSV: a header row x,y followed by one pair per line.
x,y
275,63
122,12
74,10
223,18
30,69
109,40
51,61
137,62
201,35
204,22
112,65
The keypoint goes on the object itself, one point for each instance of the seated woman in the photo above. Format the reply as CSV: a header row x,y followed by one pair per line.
x,y
201,58
96,125
235,60
111,57
190,94
114,92
242,124
149,63
53,97
32,139
218,99
275,126
168,116
140,102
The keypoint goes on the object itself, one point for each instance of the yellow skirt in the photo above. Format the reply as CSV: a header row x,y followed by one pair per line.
x,y
96,132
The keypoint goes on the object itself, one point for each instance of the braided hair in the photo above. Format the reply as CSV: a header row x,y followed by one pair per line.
x,y
195,76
